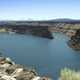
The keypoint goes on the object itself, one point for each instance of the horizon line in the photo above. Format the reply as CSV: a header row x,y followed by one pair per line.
x,y
39,19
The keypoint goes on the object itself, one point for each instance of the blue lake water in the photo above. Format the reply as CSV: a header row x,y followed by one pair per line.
x,y
47,56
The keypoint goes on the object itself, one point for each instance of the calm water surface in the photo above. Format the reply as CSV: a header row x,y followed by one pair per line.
x,y
48,56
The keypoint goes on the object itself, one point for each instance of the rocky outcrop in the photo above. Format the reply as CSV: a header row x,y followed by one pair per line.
x,y
11,71
75,41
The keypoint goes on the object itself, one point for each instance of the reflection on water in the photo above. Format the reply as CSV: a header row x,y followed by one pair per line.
x,y
48,56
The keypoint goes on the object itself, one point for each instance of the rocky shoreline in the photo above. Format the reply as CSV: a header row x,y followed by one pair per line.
x,y
9,70
74,46
75,41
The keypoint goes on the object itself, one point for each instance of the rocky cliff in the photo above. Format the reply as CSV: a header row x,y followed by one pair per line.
x,y
41,31
75,40
22,28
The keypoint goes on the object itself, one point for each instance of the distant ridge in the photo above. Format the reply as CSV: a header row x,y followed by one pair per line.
x,y
58,20
61,20
65,20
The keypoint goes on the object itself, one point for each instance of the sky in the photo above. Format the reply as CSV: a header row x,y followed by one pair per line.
x,y
39,9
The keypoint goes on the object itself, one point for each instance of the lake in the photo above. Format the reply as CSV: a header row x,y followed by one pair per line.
x,y
46,55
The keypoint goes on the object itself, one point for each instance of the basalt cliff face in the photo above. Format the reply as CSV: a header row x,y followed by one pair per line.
x,y
28,28
41,31
75,41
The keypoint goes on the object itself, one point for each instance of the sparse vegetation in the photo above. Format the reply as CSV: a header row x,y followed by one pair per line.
x,y
72,26
68,74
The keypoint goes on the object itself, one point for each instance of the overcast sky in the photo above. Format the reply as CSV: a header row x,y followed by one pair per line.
x,y
39,9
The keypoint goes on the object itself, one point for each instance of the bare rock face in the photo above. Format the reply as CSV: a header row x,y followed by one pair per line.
x,y
75,41
11,71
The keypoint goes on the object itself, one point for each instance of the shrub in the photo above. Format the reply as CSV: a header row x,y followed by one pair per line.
x,y
68,74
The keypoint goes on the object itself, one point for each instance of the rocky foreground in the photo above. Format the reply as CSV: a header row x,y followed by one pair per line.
x,y
11,71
